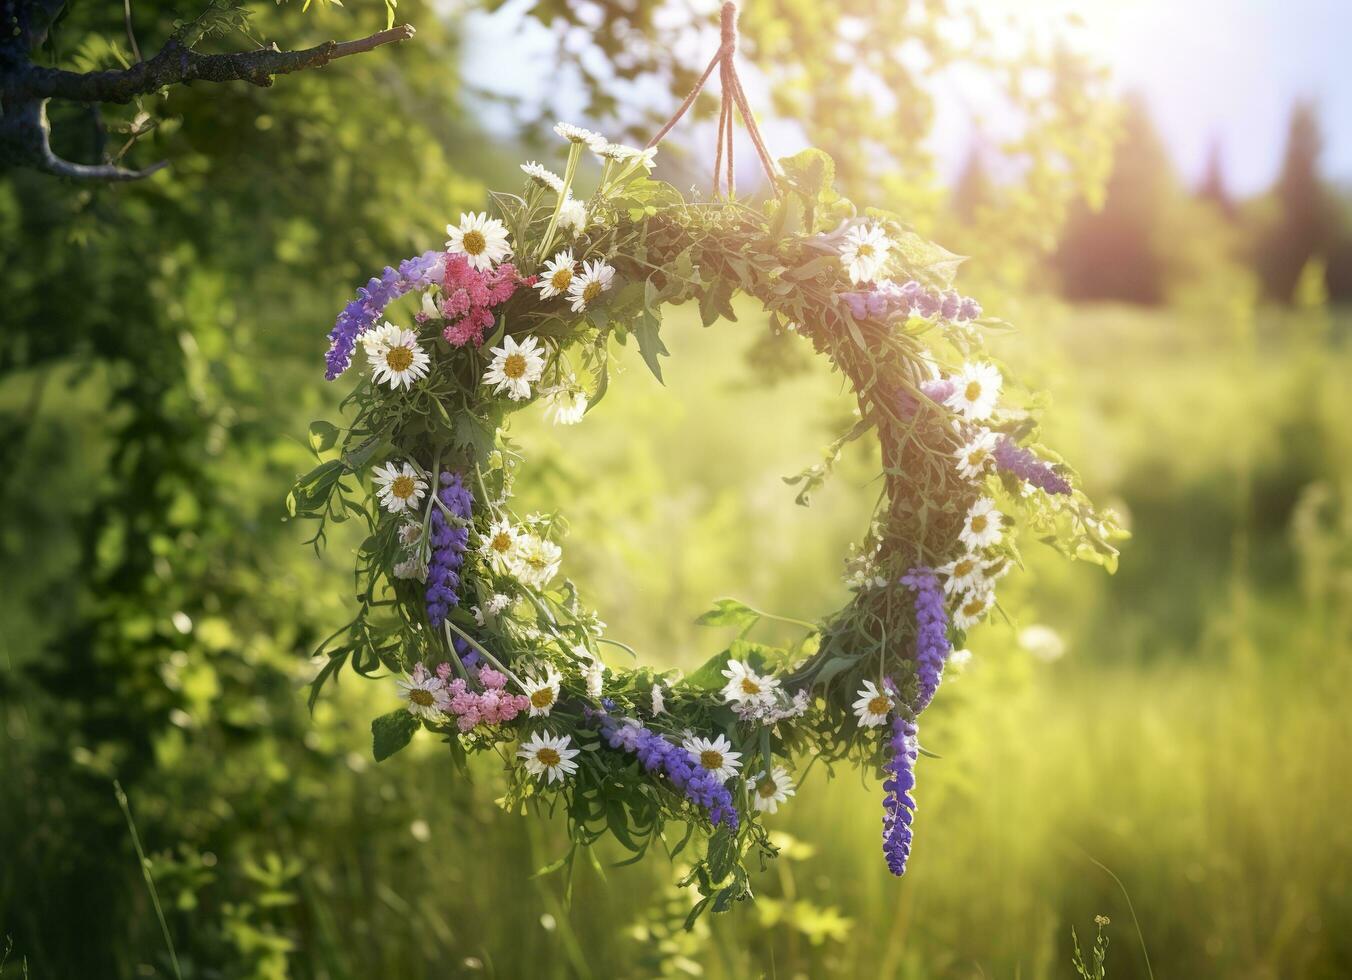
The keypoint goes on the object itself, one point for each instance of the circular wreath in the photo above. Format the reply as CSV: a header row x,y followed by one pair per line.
x,y
462,597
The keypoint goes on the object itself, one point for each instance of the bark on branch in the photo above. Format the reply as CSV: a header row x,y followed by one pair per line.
x,y
175,63
25,88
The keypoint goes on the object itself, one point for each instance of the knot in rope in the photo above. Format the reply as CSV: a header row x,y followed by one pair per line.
x,y
733,97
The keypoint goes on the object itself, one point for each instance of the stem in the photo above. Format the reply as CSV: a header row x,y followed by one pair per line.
x,y
145,872
455,657
547,242
497,665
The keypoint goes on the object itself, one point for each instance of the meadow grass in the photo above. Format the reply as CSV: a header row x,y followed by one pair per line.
x,y
1190,738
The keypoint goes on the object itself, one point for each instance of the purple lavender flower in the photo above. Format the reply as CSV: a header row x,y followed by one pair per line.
x,y
899,805
448,548
888,301
657,755
931,632
358,316
1010,456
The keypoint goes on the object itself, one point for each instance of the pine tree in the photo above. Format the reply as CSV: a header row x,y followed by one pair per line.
x,y
1304,225
1213,188
1112,253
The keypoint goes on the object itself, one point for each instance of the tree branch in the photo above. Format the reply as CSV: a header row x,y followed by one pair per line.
x,y
25,88
25,139
175,63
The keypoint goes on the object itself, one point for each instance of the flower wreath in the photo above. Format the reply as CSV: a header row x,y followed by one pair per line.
x,y
461,596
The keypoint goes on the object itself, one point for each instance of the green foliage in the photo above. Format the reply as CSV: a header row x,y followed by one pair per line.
x,y
391,732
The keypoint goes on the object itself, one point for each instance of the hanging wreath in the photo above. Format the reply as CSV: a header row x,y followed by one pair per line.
x,y
463,598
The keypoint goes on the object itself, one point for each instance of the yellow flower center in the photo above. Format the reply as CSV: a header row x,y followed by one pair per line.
x,y
547,757
767,787
543,698
749,686
474,242
974,606
537,562
864,251
711,759
502,542
979,523
419,696
403,487
976,457
880,705
591,291
514,366
561,278
398,358
964,568
973,391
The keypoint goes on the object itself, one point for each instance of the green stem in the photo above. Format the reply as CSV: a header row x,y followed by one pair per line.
x,y
547,242
497,665
145,872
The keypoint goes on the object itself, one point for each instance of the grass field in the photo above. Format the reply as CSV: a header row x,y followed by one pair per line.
x,y
1181,725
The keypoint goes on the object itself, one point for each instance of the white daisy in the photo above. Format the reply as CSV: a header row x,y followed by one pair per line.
x,y
646,158
378,338
573,216
974,459
566,406
715,754
514,367
543,692
873,706
397,360
975,390
593,670
543,176
745,685
399,488
548,756
589,286
499,541
498,603
982,526
411,568
557,276
425,694
576,134
960,660
972,608
965,573
535,560
864,252
481,239
768,791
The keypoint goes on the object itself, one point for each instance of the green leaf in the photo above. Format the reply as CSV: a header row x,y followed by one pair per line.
x,y
323,435
811,173
646,329
390,733
729,612
709,676
722,853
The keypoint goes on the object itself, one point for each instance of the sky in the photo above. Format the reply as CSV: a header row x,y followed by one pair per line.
x,y
1230,70
1210,70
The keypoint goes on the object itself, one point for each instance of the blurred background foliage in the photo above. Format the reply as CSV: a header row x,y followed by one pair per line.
x,y
1182,723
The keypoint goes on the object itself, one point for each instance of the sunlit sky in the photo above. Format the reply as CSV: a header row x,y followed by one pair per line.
x,y
1210,70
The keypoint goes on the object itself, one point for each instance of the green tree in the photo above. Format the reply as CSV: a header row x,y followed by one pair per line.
x,y
1303,227
1114,253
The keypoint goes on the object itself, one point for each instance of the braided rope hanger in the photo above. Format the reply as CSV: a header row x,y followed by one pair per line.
x,y
732,95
